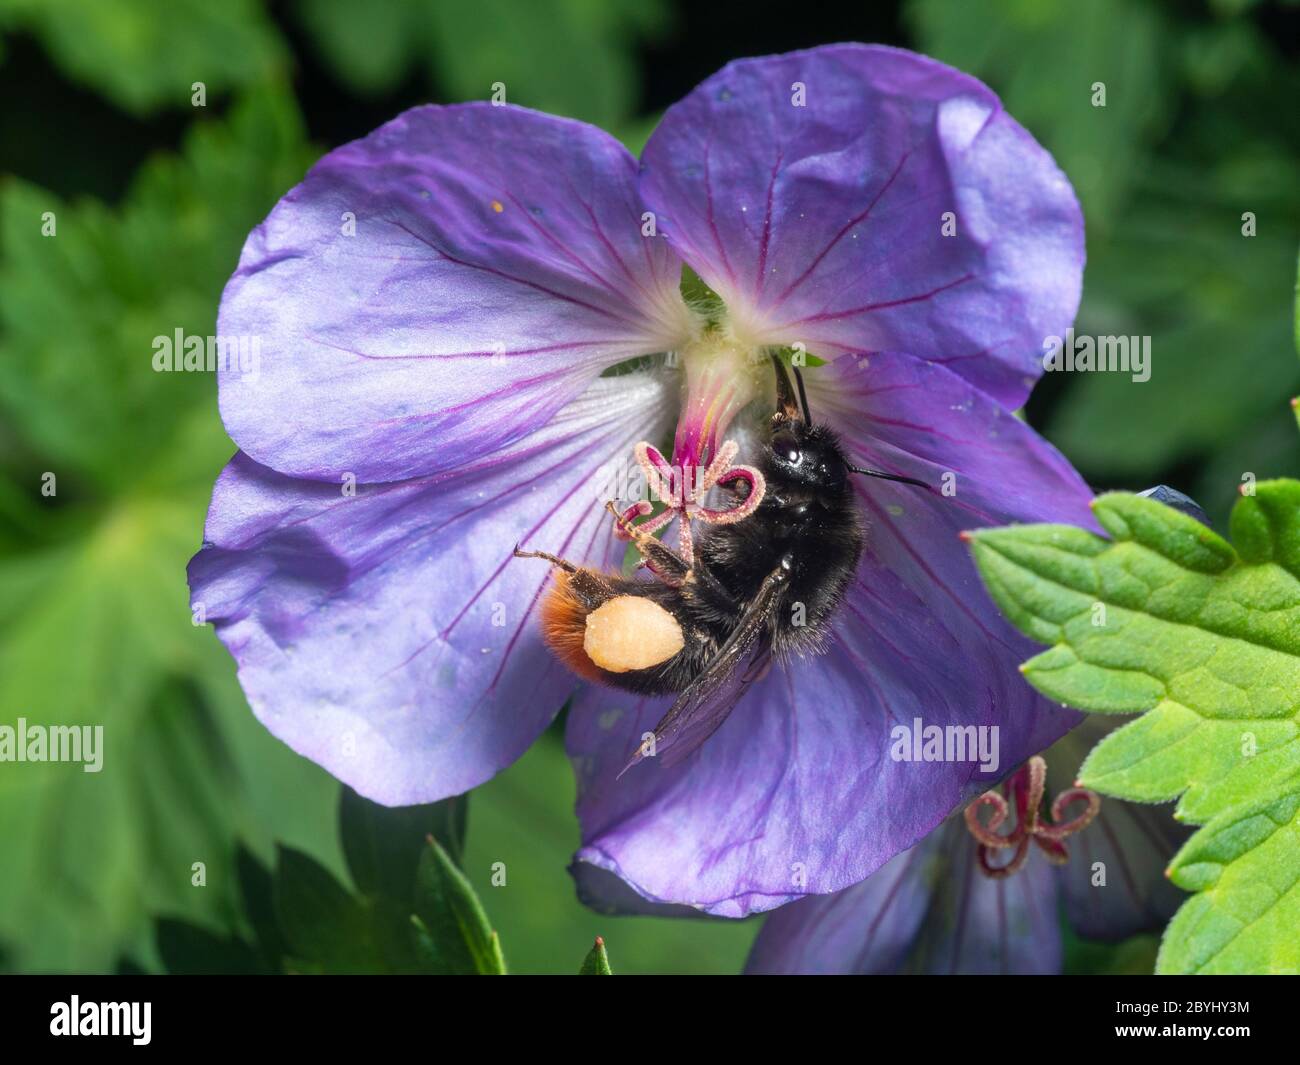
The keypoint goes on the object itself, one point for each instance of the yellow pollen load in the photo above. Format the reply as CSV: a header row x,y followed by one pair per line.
x,y
631,632
496,206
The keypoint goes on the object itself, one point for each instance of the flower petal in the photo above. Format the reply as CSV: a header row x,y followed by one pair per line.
x,y
928,911
821,218
1115,884
439,289
1131,844
797,792
902,415
390,636
905,416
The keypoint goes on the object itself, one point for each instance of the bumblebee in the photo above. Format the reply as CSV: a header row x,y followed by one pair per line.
x,y
763,587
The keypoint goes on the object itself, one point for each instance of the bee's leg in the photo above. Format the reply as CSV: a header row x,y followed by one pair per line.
x,y
668,564
554,560
589,586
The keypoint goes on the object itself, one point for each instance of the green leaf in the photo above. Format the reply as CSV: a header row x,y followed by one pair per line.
x,y
1107,41
326,929
100,566
87,855
192,950
1168,619
80,389
1245,864
257,894
452,930
525,814
1202,638
383,844
144,55
596,962
383,847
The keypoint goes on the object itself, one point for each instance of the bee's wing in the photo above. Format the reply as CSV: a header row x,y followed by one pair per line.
x,y
710,697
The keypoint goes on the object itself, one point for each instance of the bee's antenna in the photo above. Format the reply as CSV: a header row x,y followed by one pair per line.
x,y
803,396
887,476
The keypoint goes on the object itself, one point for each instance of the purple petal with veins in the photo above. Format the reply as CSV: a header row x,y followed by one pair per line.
x,y
1133,842
495,266
897,206
930,910
389,636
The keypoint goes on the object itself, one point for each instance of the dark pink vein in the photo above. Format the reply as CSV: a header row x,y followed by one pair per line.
x,y
885,305
925,568
855,220
767,223
511,277
713,225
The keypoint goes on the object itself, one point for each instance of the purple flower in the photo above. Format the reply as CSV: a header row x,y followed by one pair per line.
x,y
935,909
436,305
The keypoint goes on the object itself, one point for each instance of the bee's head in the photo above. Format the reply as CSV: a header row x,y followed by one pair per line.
x,y
802,453
806,454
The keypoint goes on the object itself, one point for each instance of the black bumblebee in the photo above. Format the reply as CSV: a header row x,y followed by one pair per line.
x,y
762,587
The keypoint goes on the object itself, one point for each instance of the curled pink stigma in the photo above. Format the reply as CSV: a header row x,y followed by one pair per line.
x,y
1025,788
683,488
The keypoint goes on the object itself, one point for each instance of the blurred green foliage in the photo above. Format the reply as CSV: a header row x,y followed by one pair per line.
x,y
569,57
144,55
1200,126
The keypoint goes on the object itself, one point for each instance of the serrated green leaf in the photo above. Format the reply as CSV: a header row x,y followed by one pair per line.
x,y
596,963
1202,638
452,930
1166,618
1245,866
